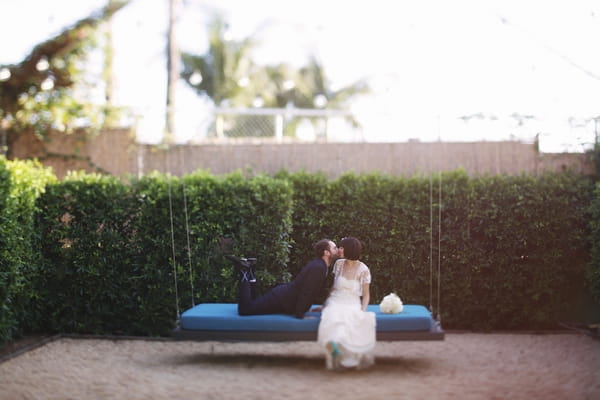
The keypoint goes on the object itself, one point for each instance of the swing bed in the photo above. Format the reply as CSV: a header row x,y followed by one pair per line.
x,y
221,321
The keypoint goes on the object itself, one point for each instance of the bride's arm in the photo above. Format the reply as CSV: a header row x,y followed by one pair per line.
x,y
365,279
365,296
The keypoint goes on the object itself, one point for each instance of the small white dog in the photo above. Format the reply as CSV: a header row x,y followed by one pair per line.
x,y
391,304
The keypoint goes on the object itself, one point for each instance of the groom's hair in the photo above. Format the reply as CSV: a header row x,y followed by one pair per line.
x,y
321,246
352,247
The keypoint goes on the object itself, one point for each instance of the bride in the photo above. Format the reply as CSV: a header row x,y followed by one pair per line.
x,y
347,330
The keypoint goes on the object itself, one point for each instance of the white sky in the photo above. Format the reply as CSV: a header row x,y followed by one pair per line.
x,y
428,61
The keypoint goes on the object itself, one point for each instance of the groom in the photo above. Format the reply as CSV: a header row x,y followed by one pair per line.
x,y
293,298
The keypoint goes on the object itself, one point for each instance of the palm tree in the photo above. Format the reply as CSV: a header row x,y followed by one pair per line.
x,y
280,86
227,74
229,77
223,72
307,87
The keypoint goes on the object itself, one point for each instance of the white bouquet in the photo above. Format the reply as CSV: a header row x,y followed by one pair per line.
x,y
391,304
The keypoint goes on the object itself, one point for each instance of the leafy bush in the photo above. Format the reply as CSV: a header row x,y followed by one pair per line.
x,y
593,272
87,224
115,256
512,250
21,183
94,254
529,237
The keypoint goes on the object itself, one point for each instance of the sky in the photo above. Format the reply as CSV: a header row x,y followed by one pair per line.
x,y
429,62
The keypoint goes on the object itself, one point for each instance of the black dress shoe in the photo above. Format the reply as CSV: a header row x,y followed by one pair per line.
x,y
238,262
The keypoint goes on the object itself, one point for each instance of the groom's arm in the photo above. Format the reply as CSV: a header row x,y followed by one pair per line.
x,y
308,289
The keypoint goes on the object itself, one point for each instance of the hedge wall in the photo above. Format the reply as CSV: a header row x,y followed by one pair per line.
x,y
21,183
95,254
513,249
593,272
107,254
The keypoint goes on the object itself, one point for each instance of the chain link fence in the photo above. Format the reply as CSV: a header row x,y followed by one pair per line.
x,y
280,124
552,134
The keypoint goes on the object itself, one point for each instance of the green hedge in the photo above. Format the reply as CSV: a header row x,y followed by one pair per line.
x,y
593,272
108,256
513,248
94,254
21,183
87,226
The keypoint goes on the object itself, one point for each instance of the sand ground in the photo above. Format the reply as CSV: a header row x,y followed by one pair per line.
x,y
463,366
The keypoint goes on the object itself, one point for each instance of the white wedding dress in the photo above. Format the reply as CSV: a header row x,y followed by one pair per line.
x,y
344,323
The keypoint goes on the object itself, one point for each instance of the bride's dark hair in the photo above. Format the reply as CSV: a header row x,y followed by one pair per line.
x,y
352,248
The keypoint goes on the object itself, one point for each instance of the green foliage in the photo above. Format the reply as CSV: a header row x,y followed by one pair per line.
x,y
21,183
512,250
87,223
229,76
309,215
593,272
529,240
94,254
115,257
48,89
222,68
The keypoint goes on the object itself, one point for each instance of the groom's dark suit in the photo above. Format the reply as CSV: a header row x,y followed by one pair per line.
x,y
293,298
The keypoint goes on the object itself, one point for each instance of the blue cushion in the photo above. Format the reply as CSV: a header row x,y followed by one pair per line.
x,y
224,317
412,318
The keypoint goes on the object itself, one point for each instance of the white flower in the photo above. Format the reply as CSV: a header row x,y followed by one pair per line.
x,y
391,304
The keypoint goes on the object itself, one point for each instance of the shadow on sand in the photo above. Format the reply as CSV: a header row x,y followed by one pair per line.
x,y
298,362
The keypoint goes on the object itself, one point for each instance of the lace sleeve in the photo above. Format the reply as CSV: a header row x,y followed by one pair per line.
x,y
337,267
365,274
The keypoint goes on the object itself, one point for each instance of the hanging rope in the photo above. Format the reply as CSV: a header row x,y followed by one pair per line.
x,y
172,232
430,242
439,258
439,274
187,231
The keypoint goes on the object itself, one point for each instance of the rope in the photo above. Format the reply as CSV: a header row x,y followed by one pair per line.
x,y
172,235
187,231
439,314
439,276
430,242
